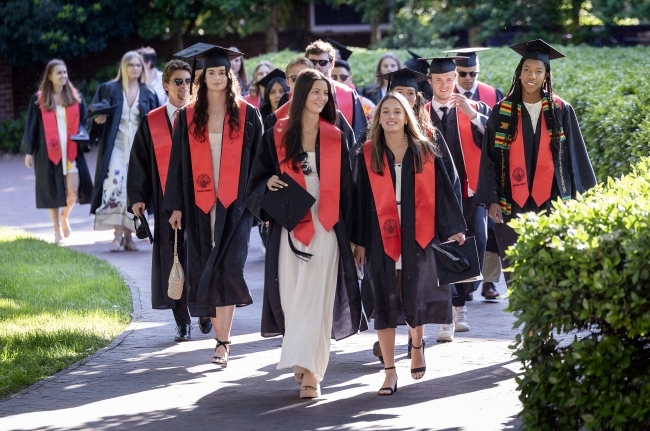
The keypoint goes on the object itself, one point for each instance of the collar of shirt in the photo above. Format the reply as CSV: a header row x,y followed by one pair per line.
x,y
171,110
436,107
462,91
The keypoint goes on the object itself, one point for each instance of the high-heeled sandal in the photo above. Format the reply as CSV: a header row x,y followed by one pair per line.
x,y
116,245
420,369
313,387
218,360
298,374
393,389
65,226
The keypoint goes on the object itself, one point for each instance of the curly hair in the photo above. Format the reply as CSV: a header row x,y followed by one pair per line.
x,y
233,99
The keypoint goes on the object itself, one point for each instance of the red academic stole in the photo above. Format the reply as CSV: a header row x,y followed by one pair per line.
x,y
386,204
544,170
231,149
471,153
162,141
330,177
487,94
283,111
344,100
52,141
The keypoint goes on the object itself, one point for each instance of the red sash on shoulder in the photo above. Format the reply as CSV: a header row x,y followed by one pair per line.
x,y
253,100
471,153
544,170
283,111
386,204
231,150
487,94
162,141
344,100
52,141
330,177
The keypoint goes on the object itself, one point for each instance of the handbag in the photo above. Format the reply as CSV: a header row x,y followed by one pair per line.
x,y
176,276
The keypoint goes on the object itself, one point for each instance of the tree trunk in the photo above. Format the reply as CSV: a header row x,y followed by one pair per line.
x,y
272,30
375,32
473,36
178,40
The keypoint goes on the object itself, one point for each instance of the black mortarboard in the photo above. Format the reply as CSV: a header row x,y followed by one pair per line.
x,y
413,63
470,53
344,52
442,64
537,50
81,135
404,78
275,73
103,107
457,263
142,230
211,55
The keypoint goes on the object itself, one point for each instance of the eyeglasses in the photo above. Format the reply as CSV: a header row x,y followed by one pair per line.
x,y
464,74
133,65
179,82
321,63
341,78
293,78
304,161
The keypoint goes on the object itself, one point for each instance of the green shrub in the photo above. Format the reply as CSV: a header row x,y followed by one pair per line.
x,y
11,134
581,273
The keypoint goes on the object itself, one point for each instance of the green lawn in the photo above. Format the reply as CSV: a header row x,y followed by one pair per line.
x,y
57,306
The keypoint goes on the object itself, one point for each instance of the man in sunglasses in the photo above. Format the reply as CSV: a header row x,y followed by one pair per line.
x,y
343,74
323,56
145,186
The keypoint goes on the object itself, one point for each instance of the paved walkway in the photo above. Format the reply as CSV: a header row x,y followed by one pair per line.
x,y
143,380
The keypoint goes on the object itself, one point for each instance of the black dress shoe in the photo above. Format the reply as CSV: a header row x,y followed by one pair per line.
x,y
183,333
489,291
205,325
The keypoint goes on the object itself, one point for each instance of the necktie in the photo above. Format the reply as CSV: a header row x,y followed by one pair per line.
x,y
468,94
175,118
443,120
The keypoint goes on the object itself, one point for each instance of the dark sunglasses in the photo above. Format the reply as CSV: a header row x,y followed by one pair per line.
x,y
321,63
341,77
179,82
464,74
293,78
304,161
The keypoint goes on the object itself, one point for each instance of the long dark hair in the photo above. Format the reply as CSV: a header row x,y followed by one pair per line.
x,y
293,136
233,99
69,94
265,107
515,96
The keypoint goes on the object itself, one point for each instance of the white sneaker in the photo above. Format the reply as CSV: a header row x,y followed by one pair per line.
x,y
445,333
460,319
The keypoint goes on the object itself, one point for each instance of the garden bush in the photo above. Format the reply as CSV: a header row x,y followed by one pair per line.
x,y
11,134
580,297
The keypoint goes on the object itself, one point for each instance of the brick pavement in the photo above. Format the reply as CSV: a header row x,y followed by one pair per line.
x,y
143,380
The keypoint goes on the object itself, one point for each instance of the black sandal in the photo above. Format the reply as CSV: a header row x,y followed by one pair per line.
x,y
420,369
217,360
392,390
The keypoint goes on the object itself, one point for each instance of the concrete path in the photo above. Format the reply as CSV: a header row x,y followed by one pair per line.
x,y
146,381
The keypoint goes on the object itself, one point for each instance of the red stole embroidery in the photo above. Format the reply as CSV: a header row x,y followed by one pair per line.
x,y
330,177
52,141
231,150
162,141
487,94
386,204
471,153
344,100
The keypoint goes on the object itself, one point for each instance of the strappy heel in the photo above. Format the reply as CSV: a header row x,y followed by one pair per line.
x,y
218,360
420,369
392,390
309,381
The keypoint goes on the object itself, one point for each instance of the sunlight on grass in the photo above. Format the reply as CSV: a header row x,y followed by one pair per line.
x,y
57,306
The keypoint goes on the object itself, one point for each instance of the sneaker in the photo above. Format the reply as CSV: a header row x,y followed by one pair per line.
x,y
445,333
460,319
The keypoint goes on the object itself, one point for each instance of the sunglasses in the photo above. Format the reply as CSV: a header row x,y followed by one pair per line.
x,y
293,78
179,81
342,78
464,74
306,169
321,63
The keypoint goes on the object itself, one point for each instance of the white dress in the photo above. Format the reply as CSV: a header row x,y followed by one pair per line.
x,y
112,211
307,291
398,198
215,153
69,166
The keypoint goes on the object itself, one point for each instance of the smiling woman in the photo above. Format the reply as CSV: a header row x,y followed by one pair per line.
x,y
46,326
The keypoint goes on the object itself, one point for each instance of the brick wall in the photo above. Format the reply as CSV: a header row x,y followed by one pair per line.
x,y
6,92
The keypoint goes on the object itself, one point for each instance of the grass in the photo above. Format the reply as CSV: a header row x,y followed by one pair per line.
x,y
57,306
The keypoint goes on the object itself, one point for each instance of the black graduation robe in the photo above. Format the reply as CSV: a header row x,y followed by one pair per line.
x,y
578,173
50,182
423,300
348,318
144,186
214,276
106,133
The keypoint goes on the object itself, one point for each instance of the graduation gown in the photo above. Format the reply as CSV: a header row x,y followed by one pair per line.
x,y
348,318
214,276
106,133
144,186
50,181
576,167
423,300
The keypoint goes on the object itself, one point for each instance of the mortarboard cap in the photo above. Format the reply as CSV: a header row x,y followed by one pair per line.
x,y
413,63
404,78
442,64
470,53
142,230
289,204
457,263
103,107
537,50
81,135
344,52
211,55
275,73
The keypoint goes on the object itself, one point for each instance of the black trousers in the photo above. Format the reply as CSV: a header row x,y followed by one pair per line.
x,y
476,220
181,312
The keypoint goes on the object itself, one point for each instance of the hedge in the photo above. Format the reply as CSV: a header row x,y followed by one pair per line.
x,y
580,297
